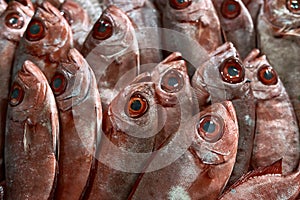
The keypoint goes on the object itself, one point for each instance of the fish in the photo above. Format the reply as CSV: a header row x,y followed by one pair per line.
x,y
265,183
13,23
146,20
203,169
197,19
237,25
220,78
129,127
46,41
80,113
31,137
111,49
276,129
3,6
78,20
278,31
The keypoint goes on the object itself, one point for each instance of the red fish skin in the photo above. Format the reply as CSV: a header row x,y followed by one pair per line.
x,y
49,50
31,138
277,133
55,3
198,21
79,21
238,30
80,121
115,65
253,7
278,31
9,39
126,144
3,6
197,173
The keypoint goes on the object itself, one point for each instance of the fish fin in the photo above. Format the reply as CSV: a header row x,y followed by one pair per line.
x,y
27,136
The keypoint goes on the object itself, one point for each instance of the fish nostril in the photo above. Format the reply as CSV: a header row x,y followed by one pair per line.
x,y
248,81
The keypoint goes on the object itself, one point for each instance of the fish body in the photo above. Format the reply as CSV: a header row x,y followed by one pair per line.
x,y
202,171
80,121
46,40
237,25
13,23
31,138
111,49
276,129
253,7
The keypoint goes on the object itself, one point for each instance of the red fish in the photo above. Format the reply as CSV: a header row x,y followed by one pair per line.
x,y
111,49
31,137
3,6
78,101
47,40
204,168
237,25
78,20
13,23
276,130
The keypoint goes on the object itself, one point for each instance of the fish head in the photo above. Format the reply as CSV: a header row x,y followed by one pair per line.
x,y
48,33
136,111
72,80
222,77
14,21
216,134
112,35
265,82
28,92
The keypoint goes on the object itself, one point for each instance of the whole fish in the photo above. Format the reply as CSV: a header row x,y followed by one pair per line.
x,y
276,129
221,78
78,20
46,41
237,25
265,183
13,23
146,21
195,18
31,138
278,31
130,124
204,168
111,49
78,101
3,6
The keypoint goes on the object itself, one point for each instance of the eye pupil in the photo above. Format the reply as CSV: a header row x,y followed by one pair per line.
x,y
294,5
136,105
35,29
231,7
180,1
209,127
13,20
268,75
173,82
102,28
57,83
233,71
15,93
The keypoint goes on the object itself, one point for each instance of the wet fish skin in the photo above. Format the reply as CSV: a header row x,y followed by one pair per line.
x,y
3,6
31,138
276,129
47,47
80,116
253,7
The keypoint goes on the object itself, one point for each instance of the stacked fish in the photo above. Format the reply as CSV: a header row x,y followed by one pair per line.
x,y
140,99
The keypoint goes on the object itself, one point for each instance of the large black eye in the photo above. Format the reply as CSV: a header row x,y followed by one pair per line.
x,y
137,106
14,20
267,75
232,71
293,6
16,95
180,4
58,84
172,81
211,128
103,29
230,9
35,30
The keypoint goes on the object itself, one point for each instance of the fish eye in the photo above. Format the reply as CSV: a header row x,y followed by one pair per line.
x,y
16,95
211,128
67,16
58,84
137,106
14,20
230,9
267,75
232,71
35,30
180,4
172,81
103,29
293,6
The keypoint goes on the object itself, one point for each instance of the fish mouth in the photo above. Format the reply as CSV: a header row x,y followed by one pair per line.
x,y
29,70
